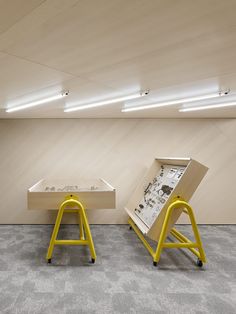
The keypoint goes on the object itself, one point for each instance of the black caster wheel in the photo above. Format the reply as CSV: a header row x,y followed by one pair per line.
x,y
49,261
155,264
199,263
93,260
130,228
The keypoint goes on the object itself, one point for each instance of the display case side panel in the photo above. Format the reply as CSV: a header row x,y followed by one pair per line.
x,y
40,200
174,161
139,191
107,185
37,186
98,200
90,200
190,180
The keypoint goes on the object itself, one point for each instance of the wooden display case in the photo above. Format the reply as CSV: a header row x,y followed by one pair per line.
x,y
93,194
186,186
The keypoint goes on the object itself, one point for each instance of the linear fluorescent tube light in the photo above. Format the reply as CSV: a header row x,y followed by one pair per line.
x,y
38,102
208,107
174,102
107,102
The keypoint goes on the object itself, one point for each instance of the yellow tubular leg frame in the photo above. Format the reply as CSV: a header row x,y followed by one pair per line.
x,y
195,247
141,237
89,235
81,227
83,224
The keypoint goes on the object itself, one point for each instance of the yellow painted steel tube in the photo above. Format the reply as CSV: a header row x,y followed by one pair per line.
x,y
179,236
196,234
179,245
71,242
81,226
69,211
163,234
72,201
89,236
55,232
141,237
184,241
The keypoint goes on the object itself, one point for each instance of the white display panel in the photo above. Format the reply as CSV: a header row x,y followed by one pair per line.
x,y
158,192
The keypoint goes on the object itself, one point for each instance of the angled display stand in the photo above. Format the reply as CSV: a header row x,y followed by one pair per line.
x,y
160,199
72,197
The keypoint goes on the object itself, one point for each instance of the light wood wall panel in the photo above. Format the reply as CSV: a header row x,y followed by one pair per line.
x,y
120,151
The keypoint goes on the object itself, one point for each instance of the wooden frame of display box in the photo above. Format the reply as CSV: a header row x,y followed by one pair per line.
x,y
175,204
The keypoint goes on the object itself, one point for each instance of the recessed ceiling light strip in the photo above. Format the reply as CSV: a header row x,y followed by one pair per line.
x,y
106,102
174,102
229,104
37,102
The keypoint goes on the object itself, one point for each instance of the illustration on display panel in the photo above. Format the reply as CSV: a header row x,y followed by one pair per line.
x,y
70,188
158,192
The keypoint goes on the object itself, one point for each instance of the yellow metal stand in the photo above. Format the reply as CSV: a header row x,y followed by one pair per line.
x,y
72,201
195,247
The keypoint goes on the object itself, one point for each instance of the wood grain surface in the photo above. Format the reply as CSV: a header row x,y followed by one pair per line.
x,y
120,151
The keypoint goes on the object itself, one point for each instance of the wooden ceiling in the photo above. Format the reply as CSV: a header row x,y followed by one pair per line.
x,y
101,49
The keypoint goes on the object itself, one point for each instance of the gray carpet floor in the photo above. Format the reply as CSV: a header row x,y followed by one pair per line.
x,y
123,279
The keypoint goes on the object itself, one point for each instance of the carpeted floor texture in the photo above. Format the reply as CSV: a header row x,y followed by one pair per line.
x,y
123,279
